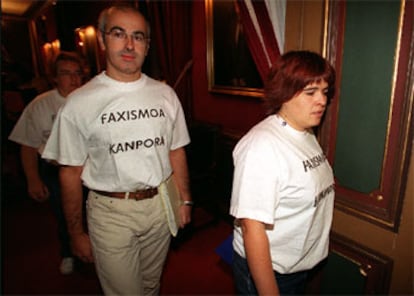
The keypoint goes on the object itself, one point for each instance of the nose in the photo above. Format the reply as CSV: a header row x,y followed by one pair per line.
x,y
322,98
75,78
129,42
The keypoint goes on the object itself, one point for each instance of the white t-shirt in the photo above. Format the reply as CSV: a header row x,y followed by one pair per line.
x,y
121,132
34,125
283,179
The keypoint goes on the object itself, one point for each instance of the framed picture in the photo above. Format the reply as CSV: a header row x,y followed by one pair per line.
x,y
376,75
230,66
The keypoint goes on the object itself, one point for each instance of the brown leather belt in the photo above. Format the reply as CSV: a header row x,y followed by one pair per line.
x,y
137,195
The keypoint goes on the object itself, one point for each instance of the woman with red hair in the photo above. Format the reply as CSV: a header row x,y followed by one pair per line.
x,y
283,186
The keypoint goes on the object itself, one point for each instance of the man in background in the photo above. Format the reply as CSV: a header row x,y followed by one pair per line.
x,y
32,131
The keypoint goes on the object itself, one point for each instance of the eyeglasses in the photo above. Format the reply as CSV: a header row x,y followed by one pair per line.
x,y
69,73
121,35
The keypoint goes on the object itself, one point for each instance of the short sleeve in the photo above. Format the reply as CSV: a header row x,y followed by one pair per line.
x,y
255,181
66,144
180,136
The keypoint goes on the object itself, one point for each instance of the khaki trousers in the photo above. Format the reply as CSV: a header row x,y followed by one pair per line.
x,y
130,241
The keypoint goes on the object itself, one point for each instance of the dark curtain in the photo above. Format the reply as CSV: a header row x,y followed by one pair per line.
x,y
171,36
265,51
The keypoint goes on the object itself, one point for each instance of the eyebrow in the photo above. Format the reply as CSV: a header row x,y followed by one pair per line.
x,y
122,29
68,71
314,88
116,28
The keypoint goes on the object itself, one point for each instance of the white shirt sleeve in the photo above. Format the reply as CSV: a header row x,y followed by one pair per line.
x,y
255,181
66,143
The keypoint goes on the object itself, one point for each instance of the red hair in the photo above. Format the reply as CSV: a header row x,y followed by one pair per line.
x,y
291,73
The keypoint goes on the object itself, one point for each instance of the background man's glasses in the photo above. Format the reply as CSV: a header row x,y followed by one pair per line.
x,y
69,73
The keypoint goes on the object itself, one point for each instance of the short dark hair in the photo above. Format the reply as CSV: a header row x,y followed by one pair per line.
x,y
292,72
121,6
67,56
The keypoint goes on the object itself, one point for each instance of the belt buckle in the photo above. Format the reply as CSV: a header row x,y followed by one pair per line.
x,y
139,194
135,195
130,195
142,194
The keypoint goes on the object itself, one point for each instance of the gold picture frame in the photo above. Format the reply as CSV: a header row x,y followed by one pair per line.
x,y
230,67
375,190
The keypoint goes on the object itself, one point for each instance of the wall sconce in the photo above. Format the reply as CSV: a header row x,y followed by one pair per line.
x,y
87,46
50,50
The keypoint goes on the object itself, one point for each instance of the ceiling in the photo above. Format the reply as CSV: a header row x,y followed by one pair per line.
x,y
21,8
15,7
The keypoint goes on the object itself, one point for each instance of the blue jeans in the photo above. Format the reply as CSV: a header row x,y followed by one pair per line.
x,y
289,284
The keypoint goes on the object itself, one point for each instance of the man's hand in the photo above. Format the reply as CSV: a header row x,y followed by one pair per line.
x,y
72,202
178,161
35,186
185,215
81,247
37,190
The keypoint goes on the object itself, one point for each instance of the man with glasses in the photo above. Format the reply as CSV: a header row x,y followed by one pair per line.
x,y
32,131
122,135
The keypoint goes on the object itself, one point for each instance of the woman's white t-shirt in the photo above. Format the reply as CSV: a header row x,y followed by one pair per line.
x,y
283,179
